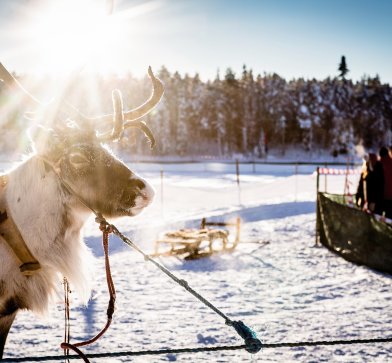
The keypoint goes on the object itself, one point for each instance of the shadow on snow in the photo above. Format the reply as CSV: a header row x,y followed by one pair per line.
x,y
250,214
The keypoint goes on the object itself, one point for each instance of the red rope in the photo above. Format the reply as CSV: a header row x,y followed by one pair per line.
x,y
106,230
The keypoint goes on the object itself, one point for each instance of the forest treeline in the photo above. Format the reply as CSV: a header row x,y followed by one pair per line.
x,y
240,114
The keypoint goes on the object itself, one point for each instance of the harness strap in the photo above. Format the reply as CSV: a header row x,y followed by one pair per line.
x,y
66,345
28,264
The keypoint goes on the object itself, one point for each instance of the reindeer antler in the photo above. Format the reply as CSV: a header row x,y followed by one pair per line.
x,y
122,120
119,120
119,125
48,108
12,83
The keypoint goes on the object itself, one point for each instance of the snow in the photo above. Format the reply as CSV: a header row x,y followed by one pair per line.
x,y
276,281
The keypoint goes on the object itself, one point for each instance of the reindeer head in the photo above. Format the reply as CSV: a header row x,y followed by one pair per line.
x,y
76,151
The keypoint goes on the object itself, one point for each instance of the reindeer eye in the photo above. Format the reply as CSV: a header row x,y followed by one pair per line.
x,y
78,160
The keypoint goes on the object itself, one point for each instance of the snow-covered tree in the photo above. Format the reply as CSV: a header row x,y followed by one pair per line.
x,y
343,68
232,114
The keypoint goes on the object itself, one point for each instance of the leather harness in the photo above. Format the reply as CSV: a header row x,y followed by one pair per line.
x,y
10,233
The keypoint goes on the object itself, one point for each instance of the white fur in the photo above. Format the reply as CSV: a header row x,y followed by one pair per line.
x,y
39,208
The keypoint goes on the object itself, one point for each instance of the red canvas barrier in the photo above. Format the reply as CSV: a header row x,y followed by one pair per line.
x,y
331,171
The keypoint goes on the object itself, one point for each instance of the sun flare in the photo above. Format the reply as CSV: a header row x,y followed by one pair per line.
x,y
68,34
61,37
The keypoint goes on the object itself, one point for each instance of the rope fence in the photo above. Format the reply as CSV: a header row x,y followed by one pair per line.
x,y
241,162
199,350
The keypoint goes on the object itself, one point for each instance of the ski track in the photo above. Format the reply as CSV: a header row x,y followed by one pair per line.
x,y
276,281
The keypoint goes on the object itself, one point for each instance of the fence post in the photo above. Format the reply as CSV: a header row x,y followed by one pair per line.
x,y
296,181
237,169
162,192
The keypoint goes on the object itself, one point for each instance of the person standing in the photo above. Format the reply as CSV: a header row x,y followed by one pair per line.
x,y
370,192
386,162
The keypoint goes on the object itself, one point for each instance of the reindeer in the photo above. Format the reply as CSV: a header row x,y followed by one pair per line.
x,y
45,201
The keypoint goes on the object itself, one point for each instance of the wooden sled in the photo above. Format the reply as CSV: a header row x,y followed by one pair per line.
x,y
194,243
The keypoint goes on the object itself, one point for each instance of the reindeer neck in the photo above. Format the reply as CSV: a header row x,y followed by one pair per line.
x,y
40,206
50,221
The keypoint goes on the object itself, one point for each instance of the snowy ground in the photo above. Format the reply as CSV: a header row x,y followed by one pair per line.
x,y
287,290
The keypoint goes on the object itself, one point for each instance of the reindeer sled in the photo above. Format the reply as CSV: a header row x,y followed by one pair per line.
x,y
196,243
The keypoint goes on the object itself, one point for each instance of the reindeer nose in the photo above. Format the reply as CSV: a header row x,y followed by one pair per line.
x,y
142,192
139,189
137,184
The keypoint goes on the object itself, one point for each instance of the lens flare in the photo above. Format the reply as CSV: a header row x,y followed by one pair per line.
x,y
68,34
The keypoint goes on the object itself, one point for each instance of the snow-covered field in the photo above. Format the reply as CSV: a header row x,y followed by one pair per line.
x,y
287,290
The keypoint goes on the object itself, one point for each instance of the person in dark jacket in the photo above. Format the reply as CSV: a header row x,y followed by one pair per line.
x,y
386,162
370,187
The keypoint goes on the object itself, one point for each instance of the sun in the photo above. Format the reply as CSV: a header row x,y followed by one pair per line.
x,y
61,37
66,34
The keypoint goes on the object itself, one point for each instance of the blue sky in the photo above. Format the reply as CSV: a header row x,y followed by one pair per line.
x,y
294,38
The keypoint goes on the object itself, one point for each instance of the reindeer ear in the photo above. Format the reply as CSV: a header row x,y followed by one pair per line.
x,y
46,142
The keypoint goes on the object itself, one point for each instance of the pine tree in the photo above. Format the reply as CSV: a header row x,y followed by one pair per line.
x,y
234,122
343,68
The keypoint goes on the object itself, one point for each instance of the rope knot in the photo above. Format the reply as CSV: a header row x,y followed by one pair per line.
x,y
100,219
253,344
105,227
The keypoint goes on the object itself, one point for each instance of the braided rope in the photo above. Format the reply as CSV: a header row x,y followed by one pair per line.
x,y
203,349
252,343
66,345
179,281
